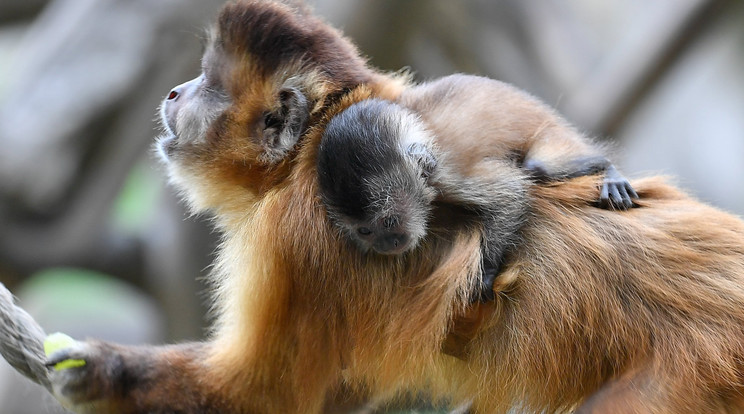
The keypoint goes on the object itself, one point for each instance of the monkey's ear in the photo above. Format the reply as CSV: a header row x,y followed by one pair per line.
x,y
283,126
423,157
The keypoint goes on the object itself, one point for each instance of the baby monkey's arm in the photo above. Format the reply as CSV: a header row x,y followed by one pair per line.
x,y
559,153
497,195
616,192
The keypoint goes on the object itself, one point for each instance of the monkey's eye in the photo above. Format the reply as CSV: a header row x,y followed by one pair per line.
x,y
364,231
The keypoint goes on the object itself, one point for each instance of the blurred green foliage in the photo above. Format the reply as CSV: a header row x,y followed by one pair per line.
x,y
137,199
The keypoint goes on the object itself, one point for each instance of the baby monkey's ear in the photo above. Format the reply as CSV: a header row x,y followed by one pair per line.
x,y
283,126
423,157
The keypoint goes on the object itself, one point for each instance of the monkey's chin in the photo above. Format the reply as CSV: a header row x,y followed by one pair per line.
x,y
165,145
394,251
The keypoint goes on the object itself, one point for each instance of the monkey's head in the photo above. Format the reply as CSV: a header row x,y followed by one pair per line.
x,y
268,72
373,163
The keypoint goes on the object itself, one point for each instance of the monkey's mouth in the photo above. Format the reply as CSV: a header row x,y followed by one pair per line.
x,y
391,252
392,245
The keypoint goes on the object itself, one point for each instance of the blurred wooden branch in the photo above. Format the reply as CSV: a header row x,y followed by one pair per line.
x,y
609,93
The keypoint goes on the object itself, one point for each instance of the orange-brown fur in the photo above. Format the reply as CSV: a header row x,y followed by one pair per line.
x,y
478,118
642,307
654,293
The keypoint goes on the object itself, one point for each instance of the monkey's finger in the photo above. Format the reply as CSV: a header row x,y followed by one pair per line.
x,y
604,196
487,294
484,293
627,202
615,197
631,191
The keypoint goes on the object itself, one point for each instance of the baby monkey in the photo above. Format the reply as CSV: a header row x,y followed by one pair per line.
x,y
383,169
381,173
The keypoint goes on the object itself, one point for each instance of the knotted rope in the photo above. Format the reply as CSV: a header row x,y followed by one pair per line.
x,y
22,340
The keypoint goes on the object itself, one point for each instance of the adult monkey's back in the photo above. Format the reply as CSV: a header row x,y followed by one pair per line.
x,y
640,307
632,312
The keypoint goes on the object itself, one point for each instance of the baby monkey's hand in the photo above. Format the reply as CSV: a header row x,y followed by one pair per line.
x,y
616,192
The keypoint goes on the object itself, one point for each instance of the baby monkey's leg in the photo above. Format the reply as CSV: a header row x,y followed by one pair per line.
x,y
559,152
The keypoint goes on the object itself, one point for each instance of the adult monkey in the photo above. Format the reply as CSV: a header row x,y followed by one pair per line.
x,y
301,311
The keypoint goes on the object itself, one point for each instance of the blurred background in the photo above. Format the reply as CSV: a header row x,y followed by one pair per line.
x,y
94,243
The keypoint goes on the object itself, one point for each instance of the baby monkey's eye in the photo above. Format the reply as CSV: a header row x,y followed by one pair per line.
x,y
364,231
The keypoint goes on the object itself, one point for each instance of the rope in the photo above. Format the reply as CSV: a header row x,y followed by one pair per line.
x,y
22,340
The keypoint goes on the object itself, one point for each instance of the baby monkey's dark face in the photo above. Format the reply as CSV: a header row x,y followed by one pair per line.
x,y
373,163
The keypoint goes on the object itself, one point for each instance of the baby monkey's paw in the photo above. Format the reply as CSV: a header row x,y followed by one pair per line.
x,y
83,372
616,193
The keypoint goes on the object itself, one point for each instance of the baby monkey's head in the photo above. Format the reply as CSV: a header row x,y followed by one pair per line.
x,y
374,162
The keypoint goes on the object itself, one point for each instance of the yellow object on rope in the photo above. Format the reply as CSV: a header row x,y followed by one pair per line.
x,y
56,341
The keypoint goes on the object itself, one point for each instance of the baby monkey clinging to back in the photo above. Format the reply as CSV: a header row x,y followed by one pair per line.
x,y
380,172
382,168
